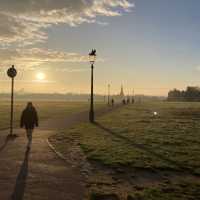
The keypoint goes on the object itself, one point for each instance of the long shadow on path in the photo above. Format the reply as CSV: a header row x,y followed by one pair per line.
x,y
142,147
8,138
20,184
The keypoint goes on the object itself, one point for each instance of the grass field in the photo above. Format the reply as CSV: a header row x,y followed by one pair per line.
x,y
134,154
45,110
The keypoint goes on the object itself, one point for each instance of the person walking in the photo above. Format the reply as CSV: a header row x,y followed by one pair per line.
x,y
113,102
128,100
133,100
29,119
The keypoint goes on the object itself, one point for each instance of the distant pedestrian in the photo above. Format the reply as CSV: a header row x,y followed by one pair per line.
x,y
29,119
133,100
128,100
124,102
113,102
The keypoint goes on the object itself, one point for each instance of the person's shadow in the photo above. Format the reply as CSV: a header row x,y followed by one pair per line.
x,y
20,185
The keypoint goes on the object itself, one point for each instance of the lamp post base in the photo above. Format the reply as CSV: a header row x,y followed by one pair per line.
x,y
91,117
12,136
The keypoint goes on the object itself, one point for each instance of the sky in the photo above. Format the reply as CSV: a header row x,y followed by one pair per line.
x,y
149,46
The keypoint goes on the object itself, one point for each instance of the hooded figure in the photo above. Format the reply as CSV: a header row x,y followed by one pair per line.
x,y
29,119
113,102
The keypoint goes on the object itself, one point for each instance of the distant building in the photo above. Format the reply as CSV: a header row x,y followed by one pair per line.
x,y
120,96
122,92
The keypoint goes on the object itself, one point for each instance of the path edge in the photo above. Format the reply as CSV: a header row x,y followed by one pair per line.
x,y
58,154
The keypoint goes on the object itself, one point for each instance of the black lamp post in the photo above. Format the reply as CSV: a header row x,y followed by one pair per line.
x,y
12,72
108,94
92,58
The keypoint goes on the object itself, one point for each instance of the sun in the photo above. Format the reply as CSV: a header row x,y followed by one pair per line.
x,y
40,76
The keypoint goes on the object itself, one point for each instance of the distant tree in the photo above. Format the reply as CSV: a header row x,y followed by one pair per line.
x,y
175,95
191,94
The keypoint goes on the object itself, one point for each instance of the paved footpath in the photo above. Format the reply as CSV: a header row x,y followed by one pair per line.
x,y
38,174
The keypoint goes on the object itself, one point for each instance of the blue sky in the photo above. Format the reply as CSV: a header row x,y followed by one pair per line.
x,y
151,48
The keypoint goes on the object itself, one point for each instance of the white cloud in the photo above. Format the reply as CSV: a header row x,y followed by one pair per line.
x,y
14,30
29,59
23,21
73,70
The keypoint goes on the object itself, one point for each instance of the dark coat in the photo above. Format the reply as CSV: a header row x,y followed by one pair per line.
x,y
29,118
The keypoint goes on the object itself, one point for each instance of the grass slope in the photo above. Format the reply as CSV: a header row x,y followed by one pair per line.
x,y
132,139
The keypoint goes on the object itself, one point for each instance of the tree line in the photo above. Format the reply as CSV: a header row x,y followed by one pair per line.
x,y
190,94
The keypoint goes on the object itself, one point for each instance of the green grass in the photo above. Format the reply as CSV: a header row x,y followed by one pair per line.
x,y
132,137
181,191
45,110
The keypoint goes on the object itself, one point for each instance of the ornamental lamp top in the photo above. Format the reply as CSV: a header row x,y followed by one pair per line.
x,y
92,56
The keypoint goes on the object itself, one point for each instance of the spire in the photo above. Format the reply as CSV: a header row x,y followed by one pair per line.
x,y
122,91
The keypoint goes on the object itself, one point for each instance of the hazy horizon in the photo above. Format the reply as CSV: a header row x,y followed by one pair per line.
x,y
19,93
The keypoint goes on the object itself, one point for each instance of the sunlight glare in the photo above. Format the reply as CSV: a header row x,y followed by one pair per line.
x,y
40,76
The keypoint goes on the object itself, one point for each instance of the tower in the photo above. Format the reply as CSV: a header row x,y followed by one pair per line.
x,y
122,92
